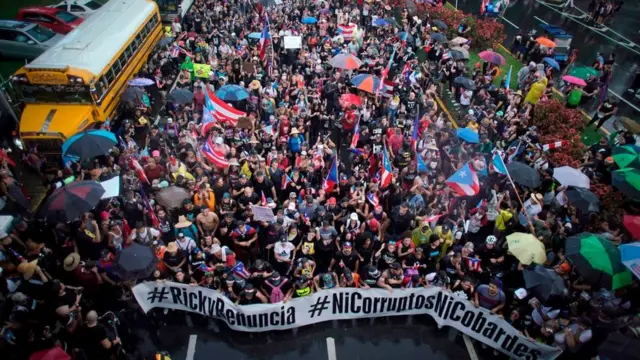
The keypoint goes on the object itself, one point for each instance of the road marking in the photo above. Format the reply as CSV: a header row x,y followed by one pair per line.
x,y
625,100
509,22
595,30
331,349
470,349
191,349
585,14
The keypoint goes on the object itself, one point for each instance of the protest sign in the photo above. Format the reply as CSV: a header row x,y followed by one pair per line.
x,y
292,42
347,303
201,70
262,213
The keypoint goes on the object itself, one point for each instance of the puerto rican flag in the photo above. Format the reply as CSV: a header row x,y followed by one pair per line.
x,y
216,110
264,39
347,31
286,180
373,199
387,89
175,51
464,181
414,134
214,155
406,72
553,145
386,171
332,177
263,199
356,136
473,264
497,164
139,170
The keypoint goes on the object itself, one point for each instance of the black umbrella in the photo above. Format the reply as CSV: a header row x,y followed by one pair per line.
x,y
583,199
267,3
411,6
524,174
465,82
132,93
543,283
180,96
72,201
135,262
457,55
439,37
165,41
440,24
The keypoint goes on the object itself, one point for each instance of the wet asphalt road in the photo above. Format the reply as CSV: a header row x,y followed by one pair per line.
x,y
390,338
621,37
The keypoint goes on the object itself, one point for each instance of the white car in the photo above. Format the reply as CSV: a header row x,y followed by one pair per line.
x,y
80,8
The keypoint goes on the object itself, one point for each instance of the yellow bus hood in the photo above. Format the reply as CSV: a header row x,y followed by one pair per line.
x,y
51,118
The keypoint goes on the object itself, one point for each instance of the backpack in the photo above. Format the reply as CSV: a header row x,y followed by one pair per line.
x,y
276,294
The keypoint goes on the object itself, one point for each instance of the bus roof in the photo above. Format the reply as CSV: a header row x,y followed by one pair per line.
x,y
94,43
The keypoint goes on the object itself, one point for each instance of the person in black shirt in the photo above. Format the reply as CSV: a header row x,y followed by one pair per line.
x,y
97,342
399,221
249,197
345,258
432,253
605,111
262,185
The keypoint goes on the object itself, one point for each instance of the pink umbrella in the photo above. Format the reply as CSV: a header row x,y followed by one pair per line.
x,y
574,80
55,353
492,57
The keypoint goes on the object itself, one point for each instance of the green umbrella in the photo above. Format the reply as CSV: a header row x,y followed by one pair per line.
x,y
584,72
628,182
597,260
627,156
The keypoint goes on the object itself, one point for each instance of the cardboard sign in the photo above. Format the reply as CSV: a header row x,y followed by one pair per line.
x,y
293,42
201,70
262,213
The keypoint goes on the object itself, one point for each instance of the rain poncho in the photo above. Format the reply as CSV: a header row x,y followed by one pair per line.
x,y
188,65
537,89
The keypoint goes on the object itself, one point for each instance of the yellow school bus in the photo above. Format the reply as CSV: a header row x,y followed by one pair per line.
x,y
77,84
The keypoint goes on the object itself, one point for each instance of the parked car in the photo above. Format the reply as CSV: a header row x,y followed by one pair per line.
x,y
80,8
57,20
24,40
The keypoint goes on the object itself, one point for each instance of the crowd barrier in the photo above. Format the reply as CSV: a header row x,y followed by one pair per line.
x,y
343,304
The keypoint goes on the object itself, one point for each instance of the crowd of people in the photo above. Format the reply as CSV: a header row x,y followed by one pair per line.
x,y
368,185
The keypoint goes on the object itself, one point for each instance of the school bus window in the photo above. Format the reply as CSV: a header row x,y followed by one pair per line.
x,y
110,76
127,52
145,32
117,66
136,41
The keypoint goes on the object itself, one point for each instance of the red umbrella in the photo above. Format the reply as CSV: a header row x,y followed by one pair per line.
x,y
632,223
350,99
54,353
4,156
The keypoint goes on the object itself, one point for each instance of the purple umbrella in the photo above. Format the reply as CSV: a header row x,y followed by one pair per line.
x,y
141,82
492,57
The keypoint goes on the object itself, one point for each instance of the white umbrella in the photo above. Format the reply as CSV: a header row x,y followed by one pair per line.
x,y
569,176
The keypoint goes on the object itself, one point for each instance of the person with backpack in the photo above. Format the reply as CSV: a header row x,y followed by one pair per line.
x,y
275,287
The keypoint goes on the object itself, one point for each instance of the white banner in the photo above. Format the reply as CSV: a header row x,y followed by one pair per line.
x,y
292,42
347,303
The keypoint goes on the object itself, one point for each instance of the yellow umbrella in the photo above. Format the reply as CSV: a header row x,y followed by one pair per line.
x,y
526,248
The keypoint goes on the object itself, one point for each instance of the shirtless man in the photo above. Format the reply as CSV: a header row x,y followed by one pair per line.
x,y
207,221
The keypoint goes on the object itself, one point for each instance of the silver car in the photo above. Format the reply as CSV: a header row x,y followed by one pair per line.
x,y
24,40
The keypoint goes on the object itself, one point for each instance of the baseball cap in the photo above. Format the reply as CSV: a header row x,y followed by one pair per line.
x,y
347,245
395,266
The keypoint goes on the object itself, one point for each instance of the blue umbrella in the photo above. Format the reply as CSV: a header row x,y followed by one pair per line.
x,y
630,256
468,135
255,35
232,93
141,82
88,144
380,22
309,20
554,64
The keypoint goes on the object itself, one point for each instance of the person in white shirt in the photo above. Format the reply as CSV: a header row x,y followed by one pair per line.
x,y
185,243
465,97
284,252
143,235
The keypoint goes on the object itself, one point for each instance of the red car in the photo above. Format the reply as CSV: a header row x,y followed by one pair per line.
x,y
57,20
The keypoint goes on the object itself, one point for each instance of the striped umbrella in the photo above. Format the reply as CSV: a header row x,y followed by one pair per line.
x,y
366,82
72,201
627,156
345,62
597,260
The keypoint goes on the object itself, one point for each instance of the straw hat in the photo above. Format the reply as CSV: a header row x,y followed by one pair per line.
x,y
254,140
519,93
537,197
27,269
294,131
255,85
71,262
183,222
172,247
234,162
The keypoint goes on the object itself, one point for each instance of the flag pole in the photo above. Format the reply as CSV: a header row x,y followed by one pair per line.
x,y
515,189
